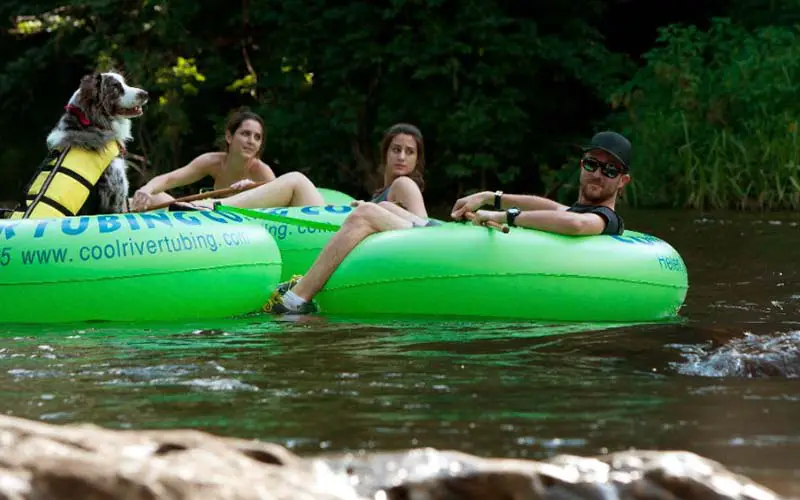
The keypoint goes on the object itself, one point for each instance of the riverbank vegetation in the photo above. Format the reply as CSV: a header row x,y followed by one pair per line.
x,y
714,117
503,92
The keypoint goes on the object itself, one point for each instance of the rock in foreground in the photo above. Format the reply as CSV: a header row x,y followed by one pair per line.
x,y
43,461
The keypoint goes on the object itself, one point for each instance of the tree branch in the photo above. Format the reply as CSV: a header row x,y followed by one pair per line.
x,y
245,40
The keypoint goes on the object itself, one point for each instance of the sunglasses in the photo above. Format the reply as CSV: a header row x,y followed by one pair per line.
x,y
608,169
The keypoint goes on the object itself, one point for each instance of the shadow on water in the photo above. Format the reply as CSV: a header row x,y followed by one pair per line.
x,y
719,383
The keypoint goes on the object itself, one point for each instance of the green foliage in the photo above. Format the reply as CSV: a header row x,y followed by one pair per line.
x,y
762,13
496,90
501,91
713,117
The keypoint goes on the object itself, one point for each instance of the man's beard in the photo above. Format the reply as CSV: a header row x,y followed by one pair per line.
x,y
597,196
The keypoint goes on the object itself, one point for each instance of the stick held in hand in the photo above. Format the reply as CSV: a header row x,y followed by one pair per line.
x,y
217,193
492,224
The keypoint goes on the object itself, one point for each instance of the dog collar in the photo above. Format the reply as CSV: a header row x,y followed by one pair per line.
x,y
78,113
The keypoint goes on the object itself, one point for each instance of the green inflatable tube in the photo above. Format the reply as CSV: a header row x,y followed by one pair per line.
x,y
333,197
135,267
462,270
468,271
299,245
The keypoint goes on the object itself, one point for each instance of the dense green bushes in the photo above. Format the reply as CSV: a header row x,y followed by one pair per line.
x,y
503,92
714,119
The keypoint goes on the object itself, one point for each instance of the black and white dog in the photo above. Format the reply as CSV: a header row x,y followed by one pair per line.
x,y
98,112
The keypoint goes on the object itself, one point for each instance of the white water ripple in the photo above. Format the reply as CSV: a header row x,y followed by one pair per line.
x,y
752,356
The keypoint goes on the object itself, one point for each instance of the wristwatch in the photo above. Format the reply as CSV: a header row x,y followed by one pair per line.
x,y
511,214
498,195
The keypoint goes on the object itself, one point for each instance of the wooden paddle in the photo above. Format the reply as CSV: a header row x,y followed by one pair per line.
x,y
217,193
492,224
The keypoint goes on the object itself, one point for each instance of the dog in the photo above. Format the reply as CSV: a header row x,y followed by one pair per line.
x,y
99,112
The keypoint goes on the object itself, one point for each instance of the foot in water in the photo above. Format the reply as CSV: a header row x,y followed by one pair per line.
x,y
284,301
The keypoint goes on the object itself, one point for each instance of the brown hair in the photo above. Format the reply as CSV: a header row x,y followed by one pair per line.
x,y
417,175
235,121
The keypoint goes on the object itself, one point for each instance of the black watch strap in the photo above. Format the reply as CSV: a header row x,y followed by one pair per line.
x,y
511,215
498,200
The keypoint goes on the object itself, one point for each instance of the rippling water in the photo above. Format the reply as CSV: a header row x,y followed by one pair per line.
x,y
721,383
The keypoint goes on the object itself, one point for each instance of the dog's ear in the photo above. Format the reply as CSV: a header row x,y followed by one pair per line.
x,y
90,89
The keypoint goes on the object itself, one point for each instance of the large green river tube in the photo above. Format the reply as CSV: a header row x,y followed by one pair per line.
x,y
468,271
462,270
135,267
333,197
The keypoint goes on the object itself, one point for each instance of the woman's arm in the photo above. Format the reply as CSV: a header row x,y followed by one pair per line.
x,y
188,174
407,194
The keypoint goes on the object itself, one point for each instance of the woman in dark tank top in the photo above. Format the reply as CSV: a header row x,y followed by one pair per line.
x,y
403,164
397,205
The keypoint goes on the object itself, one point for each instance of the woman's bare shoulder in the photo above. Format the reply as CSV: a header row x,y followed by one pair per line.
x,y
404,182
211,157
209,162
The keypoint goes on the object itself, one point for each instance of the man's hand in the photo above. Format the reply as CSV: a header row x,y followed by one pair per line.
x,y
484,216
142,200
470,203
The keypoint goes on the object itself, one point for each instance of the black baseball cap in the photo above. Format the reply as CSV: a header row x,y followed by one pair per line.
x,y
614,144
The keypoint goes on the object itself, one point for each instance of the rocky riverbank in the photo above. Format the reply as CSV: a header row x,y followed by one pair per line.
x,y
39,460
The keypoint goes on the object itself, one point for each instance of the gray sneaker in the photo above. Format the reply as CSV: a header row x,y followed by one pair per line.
x,y
275,303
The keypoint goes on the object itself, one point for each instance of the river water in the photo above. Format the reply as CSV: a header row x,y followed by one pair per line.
x,y
721,383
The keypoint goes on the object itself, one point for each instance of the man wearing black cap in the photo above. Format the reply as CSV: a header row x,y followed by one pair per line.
x,y
605,170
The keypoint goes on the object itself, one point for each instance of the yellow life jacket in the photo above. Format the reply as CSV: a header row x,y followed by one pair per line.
x,y
64,181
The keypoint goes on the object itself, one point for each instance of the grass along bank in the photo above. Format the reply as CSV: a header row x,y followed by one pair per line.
x,y
714,119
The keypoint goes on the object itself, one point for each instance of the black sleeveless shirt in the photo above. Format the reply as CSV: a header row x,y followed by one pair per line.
x,y
614,223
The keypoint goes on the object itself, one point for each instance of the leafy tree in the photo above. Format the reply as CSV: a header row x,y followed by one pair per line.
x,y
500,89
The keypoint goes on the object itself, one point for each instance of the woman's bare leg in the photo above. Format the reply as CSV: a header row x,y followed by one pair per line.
x,y
289,190
402,212
366,219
